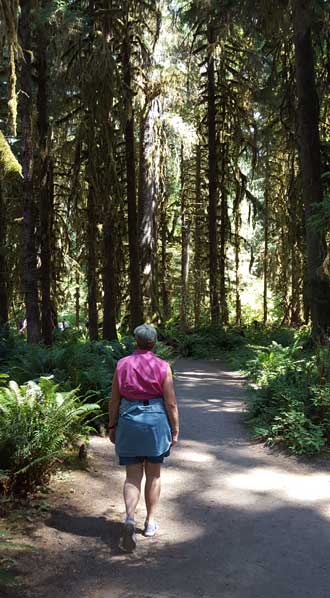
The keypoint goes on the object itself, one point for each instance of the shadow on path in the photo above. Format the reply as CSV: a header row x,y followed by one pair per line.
x,y
237,520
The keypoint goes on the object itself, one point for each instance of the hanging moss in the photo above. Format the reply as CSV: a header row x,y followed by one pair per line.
x,y
9,165
12,98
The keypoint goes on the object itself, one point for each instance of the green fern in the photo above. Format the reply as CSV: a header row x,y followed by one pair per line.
x,y
37,424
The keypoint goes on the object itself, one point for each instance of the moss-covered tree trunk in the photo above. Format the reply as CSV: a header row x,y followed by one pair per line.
x,y
91,264
294,239
198,238
136,307
318,286
164,261
213,180
147,204
237,215
44,186
185,241
3,265
29,206
77,298
109,278
266,244
223,238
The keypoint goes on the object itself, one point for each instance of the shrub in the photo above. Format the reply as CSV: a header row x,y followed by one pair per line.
x,y
37,424
87,366
292,402
204,343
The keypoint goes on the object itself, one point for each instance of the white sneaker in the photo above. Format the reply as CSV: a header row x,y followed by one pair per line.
x,y
128,539
150,528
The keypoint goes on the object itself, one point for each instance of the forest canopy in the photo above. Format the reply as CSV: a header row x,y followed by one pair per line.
x,y
166,161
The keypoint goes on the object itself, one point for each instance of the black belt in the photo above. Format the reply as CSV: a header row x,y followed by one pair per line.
x,y
145,403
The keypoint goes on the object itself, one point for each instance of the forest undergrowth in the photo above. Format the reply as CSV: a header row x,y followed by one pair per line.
x,y
60,393
288,388
288,381
52,398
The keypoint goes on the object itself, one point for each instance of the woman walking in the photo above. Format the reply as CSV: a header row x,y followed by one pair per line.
x,y
143,425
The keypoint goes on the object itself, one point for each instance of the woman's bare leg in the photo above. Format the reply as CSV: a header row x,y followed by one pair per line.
x,y
132,488
152,488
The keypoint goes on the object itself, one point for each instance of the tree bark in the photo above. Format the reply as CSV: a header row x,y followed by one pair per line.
x,y
197,239
237,213
77,298
294,235
3,266
185,239
318,287
45,185
91,264
223,239
266,244
29,207
136,307
212,175
109,280
164,264
147,205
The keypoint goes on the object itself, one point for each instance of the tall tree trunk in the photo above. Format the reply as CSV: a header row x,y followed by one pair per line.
x,y
284,288
223,239
185,239
310,161
164,265
306,295
77,298
212,175
45,186
148,201
3,266
109,279
237,213
136,307
266,244
91,264
197,239
29,207
294,216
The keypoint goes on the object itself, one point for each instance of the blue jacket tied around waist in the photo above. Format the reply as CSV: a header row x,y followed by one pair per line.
x,y
143,430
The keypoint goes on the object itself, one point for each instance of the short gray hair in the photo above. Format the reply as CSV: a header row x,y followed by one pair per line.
x,y
146,335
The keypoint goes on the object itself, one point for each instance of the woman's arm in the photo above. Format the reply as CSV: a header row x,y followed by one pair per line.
x,y
171,405
114,403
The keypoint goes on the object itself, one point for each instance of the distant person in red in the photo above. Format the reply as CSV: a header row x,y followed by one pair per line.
x,y
143,425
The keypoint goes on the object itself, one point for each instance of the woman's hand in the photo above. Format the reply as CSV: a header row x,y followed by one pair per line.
x,y
175,438
112,435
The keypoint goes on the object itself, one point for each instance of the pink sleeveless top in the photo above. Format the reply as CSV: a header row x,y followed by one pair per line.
x,y
141,375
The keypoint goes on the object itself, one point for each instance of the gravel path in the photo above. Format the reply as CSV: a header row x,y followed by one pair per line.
x,y
237,520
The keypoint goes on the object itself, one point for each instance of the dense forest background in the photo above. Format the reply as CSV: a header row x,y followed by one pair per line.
x,y
161,161
164,161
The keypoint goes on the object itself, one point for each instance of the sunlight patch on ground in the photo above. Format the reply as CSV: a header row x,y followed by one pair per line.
x,y
195,380
196,456
197,374
191,405
297,487
231,406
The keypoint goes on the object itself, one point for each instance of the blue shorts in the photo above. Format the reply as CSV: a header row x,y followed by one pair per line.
x,y
134,460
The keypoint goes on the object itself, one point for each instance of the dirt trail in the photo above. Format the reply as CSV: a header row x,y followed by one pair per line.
x,y
237,520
